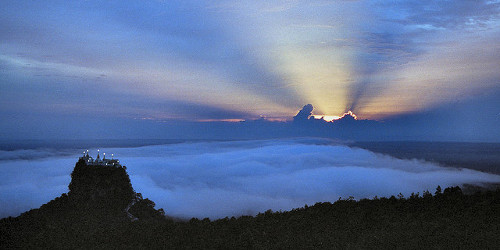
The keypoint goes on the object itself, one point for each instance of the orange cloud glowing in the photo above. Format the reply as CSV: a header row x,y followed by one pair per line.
x,y
330,118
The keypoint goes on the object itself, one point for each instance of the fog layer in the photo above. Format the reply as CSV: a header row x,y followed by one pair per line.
x,y
219,179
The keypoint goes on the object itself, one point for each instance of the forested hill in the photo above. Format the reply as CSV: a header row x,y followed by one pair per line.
x,y
101,210
99,199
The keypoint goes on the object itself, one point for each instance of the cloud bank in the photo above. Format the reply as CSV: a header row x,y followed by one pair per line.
x,y
219,179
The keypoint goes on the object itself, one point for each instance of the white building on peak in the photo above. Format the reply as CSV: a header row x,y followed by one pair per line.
x,y
98,161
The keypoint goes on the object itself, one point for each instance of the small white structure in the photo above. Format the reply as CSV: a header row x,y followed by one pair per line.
x,y
98,161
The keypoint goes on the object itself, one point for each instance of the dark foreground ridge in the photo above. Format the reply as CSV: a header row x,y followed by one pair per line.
x,y
102,211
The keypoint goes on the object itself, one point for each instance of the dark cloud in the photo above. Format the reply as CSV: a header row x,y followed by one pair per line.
x,y
304,113
468,119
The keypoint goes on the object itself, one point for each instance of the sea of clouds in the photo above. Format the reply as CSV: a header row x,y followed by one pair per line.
x,y
232,178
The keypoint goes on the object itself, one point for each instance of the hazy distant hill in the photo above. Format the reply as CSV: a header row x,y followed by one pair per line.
x,y
478,156
102,210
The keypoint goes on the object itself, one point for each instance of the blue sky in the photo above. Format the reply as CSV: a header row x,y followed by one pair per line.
x,y
75,62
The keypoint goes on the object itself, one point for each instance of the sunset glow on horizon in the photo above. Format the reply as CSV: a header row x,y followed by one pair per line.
x,y
327,118
330,118
232,61
275,115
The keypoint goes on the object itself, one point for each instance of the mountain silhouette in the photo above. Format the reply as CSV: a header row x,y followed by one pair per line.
x,y
102,211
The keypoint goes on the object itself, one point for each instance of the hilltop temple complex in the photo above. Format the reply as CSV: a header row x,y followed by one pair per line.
x,y
98,161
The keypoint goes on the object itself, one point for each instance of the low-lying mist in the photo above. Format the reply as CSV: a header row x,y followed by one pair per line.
x,y
232,178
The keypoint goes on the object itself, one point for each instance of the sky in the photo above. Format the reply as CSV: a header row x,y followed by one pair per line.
x,y
155,68
232,178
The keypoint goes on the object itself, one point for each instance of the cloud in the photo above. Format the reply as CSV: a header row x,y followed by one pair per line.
x,y
304,113
252,57
27,184
447,14
27,154
173,50
404,32
219,179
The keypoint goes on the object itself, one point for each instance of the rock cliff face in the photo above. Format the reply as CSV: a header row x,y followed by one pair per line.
x,y
107,191
106,187
98,195
100,200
